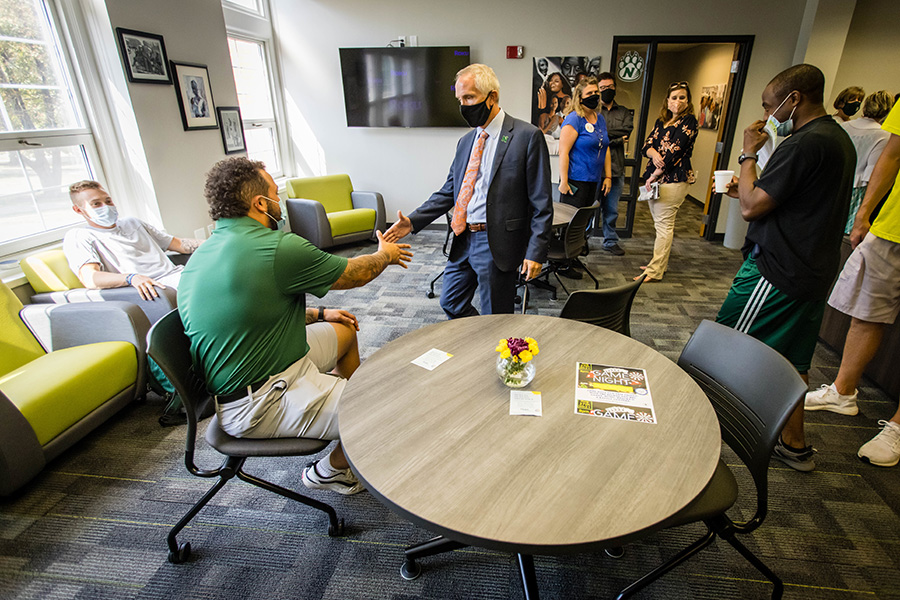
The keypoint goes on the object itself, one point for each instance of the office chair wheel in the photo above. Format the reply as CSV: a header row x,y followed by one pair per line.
x,y
410,570
336,531
180,556
429,294
617,552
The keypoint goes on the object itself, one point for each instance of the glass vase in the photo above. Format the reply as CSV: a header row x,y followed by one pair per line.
x,y
513,373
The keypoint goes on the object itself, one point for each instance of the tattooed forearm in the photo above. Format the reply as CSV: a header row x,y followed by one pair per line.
x,y
362,269
188,245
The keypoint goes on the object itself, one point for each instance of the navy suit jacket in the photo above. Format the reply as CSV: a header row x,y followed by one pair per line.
x,y
519,210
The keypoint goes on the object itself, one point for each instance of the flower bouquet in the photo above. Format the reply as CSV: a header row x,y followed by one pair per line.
x,y
514,362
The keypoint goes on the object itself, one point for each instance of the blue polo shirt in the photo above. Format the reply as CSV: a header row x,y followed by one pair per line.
x,y
589,151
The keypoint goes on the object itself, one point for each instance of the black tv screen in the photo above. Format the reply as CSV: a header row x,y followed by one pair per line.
x,y
402,87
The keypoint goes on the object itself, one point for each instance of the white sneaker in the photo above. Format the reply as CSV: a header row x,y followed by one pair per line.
x,y
343,482
883,450
828,398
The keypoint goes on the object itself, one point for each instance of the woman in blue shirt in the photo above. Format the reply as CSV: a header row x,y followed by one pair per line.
x,y
584,161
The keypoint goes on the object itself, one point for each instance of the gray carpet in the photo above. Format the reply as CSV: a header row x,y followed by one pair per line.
x,y
92,526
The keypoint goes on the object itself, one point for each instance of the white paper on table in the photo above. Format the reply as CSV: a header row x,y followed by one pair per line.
x,y
432,359
525,403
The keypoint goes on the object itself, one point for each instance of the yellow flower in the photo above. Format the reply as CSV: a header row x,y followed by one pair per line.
x,y
525,355
503,343
505,353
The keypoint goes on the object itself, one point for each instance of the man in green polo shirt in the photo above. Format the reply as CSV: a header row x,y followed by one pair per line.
x,y
266,357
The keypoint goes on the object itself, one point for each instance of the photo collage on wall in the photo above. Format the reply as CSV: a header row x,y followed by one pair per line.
x,y
554,78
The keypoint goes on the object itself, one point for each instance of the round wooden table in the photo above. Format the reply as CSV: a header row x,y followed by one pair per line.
x,y
441,449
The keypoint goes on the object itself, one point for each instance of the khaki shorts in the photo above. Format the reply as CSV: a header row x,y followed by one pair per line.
x,y
869,286
301,401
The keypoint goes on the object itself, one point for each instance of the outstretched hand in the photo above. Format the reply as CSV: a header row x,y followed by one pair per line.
x,y
399,253
399,230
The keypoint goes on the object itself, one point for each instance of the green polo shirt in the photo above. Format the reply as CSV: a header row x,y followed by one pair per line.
x,y
242,301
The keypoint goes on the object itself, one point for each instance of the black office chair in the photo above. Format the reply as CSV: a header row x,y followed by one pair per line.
x,y
610,307
753,390
566,249
170,348
445,250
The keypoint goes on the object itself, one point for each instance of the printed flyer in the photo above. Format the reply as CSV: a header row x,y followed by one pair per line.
x,y
613,393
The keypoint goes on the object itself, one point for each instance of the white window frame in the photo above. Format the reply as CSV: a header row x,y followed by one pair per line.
x,y
240,24
76,136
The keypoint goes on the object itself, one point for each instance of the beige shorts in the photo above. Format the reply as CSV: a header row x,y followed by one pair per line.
x,y
868,288
301,401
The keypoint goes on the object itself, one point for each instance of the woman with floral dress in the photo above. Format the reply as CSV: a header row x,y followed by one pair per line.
x,y
669,147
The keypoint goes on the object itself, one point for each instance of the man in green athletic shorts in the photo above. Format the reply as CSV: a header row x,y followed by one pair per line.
x,y
797,209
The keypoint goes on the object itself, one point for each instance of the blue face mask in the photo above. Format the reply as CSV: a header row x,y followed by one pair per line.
x,y
276,224
104,216
782,129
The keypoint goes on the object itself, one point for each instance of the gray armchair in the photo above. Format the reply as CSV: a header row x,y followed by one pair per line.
x,y
327,212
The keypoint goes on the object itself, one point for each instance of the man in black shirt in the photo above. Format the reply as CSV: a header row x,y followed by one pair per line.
x,y
796,208
619,123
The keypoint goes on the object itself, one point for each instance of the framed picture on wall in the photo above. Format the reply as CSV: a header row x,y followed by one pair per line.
x,y
194,96
232,129
144,55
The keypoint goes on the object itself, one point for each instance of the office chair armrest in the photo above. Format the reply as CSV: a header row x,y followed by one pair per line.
x,y
375,201
178,258
58,326
308,220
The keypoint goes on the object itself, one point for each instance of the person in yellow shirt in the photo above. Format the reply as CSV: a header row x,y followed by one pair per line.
x,y
868,290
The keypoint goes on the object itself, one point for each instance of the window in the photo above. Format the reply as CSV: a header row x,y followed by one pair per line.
x,y
45,142
254,7
255,67
254,89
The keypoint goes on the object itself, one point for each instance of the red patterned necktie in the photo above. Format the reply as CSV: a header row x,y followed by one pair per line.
x,y
458,224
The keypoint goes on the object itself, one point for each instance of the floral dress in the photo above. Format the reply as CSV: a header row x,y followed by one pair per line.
x,y
675,144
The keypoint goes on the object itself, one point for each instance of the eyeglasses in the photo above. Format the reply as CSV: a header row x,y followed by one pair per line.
x,y
603,88
678,84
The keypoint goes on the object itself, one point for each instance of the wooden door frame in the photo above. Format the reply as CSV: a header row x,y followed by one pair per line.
x,y
736,81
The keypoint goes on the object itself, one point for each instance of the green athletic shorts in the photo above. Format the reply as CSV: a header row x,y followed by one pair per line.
x,y
756,308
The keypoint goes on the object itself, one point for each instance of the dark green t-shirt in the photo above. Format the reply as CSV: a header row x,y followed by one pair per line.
x,y
242,301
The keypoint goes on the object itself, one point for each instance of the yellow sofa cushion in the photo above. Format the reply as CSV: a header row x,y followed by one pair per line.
x,y
332,191
55,391
351,221
17,345
49,272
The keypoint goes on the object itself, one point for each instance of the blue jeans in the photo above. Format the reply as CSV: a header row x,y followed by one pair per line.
x,y
475,267
609,207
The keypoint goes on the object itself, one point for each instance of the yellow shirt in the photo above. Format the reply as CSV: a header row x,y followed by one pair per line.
x,y
887,223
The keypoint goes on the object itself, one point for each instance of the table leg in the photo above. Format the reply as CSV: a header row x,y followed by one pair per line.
x,y
410,569
529,579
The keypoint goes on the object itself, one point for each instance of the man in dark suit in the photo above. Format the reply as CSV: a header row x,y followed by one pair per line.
x,y
499,191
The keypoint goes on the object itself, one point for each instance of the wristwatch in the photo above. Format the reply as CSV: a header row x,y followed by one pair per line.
x,y
321,313
745,156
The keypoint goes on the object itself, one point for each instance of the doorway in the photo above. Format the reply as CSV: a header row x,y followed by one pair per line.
x,y
715,68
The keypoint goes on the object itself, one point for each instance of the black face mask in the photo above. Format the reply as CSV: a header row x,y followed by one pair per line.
x,y
851,108
591,102
607,96
476,115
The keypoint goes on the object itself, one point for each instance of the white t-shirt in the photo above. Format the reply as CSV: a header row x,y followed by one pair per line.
x,y
870,140
132,246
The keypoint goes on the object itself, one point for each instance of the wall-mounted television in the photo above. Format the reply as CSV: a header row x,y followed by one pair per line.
x,y
402,87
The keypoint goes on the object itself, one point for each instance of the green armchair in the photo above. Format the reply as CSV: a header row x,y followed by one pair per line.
x,y
58,385
327,212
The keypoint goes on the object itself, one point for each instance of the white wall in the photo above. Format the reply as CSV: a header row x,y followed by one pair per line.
x,y
870,53
194,32
407,165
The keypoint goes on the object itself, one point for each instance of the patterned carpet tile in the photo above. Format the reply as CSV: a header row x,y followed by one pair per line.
x,y
93,524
